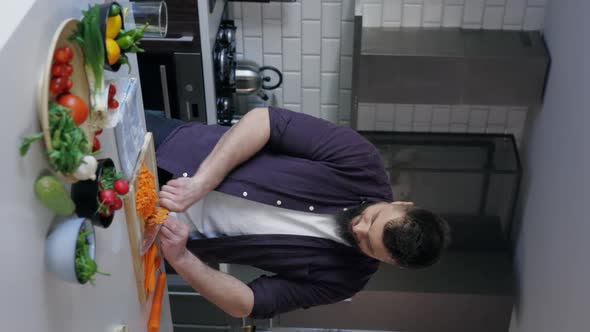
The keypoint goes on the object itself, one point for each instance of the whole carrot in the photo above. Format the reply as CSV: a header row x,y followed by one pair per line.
x,y
151,281
149,270
156,312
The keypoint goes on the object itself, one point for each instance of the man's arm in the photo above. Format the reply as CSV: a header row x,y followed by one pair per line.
x,y
237,145
228,293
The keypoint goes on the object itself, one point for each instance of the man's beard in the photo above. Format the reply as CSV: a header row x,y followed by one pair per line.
x,y
344,221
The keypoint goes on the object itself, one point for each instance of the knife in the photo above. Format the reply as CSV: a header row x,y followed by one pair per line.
x,y
150,233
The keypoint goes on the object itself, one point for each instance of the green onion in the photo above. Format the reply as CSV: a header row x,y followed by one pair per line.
x,y
89,38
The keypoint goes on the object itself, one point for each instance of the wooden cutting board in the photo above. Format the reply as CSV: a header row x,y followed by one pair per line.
x,y
135,224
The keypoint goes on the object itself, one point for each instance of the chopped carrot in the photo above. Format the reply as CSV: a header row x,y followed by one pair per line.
x,y
156,312
158,217
146,197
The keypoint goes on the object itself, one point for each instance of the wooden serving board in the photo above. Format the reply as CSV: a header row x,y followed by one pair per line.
x,y
135,224
80,86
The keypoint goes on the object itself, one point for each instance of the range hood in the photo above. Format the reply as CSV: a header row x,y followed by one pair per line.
x,y
448,66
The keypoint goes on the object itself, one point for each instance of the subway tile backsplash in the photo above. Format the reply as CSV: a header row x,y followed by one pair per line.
x,y
311,41
442,118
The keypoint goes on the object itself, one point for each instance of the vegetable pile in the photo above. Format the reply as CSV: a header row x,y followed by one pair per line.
x,y
117,41
69,148
61,71
85,266
113,188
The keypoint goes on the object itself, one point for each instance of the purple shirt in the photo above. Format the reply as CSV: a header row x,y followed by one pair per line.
x,y
308,164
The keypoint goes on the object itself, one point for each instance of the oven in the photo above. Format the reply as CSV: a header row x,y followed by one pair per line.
x,y
178,72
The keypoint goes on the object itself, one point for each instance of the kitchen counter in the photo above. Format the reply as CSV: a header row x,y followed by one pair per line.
x,y
33,298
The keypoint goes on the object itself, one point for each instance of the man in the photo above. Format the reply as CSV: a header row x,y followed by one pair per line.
x,y
293,195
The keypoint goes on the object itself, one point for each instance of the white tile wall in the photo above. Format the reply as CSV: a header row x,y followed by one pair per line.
x,y
470,14
311,71
311,42
443,118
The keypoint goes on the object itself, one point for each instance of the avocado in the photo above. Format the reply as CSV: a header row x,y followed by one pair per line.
x,y
52,193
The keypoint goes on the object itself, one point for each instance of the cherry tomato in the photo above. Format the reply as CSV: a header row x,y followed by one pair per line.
x,y
95,144
113,103
61,56
121,187
69,69
69,53
117,204
107,196
58,70
68,84
77,105
112,90
98,132
55,86
62,81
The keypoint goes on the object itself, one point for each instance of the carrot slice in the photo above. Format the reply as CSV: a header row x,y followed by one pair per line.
x,y
156,312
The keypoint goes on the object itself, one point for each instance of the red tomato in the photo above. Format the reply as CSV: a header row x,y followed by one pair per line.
x,y
121,187
117,204
69,69
77,105
98,132
95,144
69,53
58,69
61,56
113,103
112,90
55,86
108,196
69,84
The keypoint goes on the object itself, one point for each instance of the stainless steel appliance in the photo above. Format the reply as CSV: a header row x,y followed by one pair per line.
x,y
250,79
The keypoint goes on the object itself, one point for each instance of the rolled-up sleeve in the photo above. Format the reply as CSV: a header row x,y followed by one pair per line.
x,y
275,295
308,137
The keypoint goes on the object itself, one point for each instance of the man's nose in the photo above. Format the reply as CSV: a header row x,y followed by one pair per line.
x,y
360,228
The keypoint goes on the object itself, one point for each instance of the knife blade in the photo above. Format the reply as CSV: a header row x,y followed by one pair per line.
x,y
150,233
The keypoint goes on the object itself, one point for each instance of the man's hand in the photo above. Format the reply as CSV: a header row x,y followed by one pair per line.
x,y
179,194
173,236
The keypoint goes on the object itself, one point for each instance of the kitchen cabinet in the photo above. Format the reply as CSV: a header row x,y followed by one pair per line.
x,y
447,66
35,299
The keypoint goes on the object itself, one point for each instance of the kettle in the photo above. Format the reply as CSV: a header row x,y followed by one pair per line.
x,y
250,79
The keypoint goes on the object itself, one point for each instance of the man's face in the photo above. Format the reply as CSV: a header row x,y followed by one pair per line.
x,y
363,227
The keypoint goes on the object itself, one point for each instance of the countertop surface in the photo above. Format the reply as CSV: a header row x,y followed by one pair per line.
x,y
34,299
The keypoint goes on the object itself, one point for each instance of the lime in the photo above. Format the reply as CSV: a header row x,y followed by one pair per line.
x,y
52,193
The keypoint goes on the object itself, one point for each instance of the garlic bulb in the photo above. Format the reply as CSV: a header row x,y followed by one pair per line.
x,y
87,169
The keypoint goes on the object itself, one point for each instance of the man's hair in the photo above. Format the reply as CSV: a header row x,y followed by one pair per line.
x,y
417,239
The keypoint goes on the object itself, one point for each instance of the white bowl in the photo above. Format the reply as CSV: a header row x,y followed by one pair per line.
x,y
60,247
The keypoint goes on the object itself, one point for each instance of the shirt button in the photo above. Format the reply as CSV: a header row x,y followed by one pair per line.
x,y
279,202
311,208
184,174
244,194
